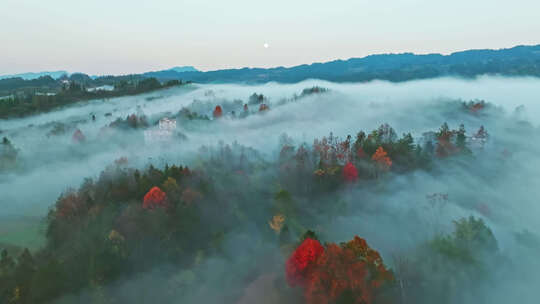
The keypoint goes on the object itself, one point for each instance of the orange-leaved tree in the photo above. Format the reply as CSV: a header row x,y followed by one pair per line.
x,y
380,157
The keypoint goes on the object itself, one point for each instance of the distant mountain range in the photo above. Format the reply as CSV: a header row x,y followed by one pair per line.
x,y
184,69
59,74
173,73
30,76
516,61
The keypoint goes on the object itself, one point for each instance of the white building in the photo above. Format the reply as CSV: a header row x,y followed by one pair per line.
x,y
167,124
163,133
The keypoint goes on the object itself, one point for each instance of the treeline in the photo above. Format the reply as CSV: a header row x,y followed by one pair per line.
x,y
8,154
9,85
24,104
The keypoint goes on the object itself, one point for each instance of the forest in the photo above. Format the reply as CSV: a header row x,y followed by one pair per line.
x,y
28,97
276,194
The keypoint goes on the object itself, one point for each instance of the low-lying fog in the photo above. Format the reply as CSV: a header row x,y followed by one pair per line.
x,y
53,163
348,108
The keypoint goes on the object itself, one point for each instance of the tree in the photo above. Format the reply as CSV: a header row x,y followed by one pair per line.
x,y
359,144
170,185
351,272
78,136
189,196
218,112
444,130
25,270
405,145
8,154
71,206
256,99
381,159
474,234
444,145
481,133
350,174
386,134
148,84
171,188
305,255
277,222
471,242
245,111
7,264
461,140
155,198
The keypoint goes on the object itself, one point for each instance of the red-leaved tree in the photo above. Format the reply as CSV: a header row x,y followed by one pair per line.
x,y
350,174
155,198
296,267
78,136
360,153
218,112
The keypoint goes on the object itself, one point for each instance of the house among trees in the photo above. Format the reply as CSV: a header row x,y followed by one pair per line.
x,y
167,124
165,131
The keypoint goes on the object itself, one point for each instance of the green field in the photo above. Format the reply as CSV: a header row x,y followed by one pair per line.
x,y
19,232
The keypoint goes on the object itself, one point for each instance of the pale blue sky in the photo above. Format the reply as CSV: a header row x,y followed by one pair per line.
x,y
118,36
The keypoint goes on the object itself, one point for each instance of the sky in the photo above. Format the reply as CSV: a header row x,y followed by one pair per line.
x,y
119,37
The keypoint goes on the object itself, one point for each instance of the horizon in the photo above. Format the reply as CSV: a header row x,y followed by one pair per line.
x,y
261,67
102,38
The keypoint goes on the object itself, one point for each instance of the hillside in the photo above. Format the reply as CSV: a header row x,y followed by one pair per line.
x,y
516,61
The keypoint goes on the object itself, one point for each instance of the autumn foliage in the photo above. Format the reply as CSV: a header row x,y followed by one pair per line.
x,y
78,136
381,158
71,206
351,270
350,174
297,265
154,198
277,222
360,153
218,112
263,107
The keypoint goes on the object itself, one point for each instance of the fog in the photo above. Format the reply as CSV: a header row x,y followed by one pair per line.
x,y
395,216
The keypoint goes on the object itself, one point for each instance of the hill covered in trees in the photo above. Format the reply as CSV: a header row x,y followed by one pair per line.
x,y
27,97
516,61
129,221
